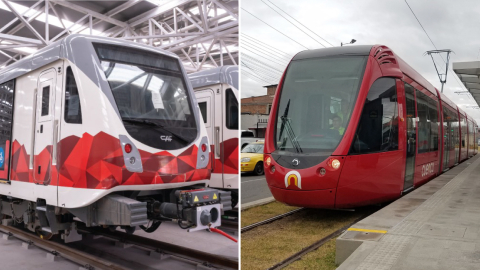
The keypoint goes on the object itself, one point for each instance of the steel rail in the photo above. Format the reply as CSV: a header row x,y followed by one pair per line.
x,y
270,220
156,245
79,257
297,256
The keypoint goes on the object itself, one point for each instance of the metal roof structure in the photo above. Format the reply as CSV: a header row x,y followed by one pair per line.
x,y
469,74
203,33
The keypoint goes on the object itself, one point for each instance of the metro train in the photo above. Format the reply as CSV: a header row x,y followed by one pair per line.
x,y
356,125
106,132
217,95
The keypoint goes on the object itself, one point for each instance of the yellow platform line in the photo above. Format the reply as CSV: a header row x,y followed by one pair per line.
x,y
365,230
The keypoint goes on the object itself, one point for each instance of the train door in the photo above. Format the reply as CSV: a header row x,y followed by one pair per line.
x,y
411,145
44,126
206,103
230,125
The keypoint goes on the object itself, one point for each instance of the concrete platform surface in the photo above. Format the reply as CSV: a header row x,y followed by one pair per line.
x,y
436,226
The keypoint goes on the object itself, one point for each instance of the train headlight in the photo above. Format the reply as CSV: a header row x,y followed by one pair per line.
x,y
245,159
335,163
268,161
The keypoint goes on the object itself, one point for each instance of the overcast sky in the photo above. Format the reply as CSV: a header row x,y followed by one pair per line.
x,y
450,24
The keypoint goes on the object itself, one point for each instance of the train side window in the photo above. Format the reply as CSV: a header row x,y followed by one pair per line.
x,y
73,110
6,105
45,100
231,107
378,126
428,123
203,110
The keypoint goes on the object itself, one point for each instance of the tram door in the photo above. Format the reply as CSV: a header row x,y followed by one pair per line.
x,y
446,138
44,127
411,148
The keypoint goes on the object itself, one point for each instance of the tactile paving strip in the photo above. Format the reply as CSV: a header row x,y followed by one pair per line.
x,y
386,253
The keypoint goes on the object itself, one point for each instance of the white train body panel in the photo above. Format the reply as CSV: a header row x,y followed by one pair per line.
x,y
217,94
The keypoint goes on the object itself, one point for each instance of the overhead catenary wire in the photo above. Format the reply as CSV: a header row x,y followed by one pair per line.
x,y
256,74
292,23
251,74
265,44
276,29
265,64
256,53
300,23
425,31
266,51
259,71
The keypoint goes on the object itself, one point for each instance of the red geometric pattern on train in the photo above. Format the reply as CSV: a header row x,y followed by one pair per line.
x,y
96,162
229,158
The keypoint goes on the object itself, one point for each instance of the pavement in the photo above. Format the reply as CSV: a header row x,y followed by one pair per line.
x,y
253,188
436,226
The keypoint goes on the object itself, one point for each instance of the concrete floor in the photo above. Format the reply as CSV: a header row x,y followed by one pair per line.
x,y
436,226
254,188
201,240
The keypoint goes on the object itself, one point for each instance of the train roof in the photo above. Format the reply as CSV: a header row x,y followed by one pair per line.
x,y
343,50
72,48
224,74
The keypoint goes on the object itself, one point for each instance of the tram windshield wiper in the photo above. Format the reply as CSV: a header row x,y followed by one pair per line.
x,y
286,125
151,123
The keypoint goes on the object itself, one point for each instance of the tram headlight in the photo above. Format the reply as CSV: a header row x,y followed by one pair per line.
x,y
268,161
245,159
335,163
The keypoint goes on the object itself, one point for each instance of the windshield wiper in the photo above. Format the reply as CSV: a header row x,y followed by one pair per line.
x,y
151,123
289,130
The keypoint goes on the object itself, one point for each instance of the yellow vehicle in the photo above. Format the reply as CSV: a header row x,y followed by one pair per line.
x,y
252,158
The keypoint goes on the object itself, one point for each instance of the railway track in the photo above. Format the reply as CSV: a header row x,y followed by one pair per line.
x,y
314,246
91,257
270,220
56,249
152,245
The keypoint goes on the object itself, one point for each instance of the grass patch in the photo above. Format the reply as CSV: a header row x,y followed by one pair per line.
x,y
262,212
267,245
321,259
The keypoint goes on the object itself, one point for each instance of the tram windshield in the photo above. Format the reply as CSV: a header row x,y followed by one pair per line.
x,y
150,91
316,103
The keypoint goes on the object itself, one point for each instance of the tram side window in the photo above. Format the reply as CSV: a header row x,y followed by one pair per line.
x,y
73,110
6,117
428,123
232,110
378,127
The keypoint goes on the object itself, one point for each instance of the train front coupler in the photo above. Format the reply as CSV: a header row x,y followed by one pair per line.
x,y
193,210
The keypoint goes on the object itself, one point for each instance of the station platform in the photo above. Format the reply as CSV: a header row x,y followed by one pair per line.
x,y
436,226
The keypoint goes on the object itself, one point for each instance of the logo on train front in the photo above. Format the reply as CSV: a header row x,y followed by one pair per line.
x,y
293,178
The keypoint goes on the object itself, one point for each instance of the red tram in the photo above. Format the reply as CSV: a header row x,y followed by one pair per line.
x,y
353,126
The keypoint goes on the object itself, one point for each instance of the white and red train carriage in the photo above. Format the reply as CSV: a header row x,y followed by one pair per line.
x,y
104,131
217,94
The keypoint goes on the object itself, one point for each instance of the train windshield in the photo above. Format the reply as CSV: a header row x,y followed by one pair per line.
x,y
316,103
150,92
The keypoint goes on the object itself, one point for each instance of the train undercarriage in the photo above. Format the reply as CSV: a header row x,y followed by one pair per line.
x,y
194,209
